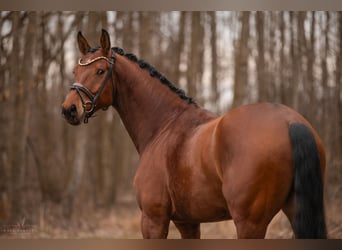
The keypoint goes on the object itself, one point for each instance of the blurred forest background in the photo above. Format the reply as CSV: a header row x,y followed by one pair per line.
x,y
54,175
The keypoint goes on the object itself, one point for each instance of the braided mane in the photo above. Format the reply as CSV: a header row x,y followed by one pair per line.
x,y
154,73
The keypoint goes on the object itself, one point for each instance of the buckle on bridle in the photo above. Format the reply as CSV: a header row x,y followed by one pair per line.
x,y
86,106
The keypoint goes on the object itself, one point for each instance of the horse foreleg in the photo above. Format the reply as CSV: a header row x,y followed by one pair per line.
x,y
247,229
188,230
154,227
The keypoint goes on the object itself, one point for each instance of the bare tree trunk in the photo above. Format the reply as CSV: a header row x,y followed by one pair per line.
x,y
310,84
4,133
215,98
263,83
302,49
19,137
294,81
125,32
271,65
282,64
49,177
195,64
284,67
337,96
145,35
70,144
325,76
339,77
241,61
180,46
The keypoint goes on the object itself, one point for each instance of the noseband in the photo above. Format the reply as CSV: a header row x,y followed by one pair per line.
x,y
89,106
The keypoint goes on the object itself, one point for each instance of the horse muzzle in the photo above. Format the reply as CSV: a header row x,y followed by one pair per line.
x,y
71,114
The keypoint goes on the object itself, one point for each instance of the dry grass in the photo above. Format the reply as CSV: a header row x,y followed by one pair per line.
x,y
123,222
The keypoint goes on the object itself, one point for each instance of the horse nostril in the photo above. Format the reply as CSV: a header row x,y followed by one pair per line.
x,y
73,110
64,112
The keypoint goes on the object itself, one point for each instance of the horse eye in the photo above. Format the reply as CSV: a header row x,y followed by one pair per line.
x,y
100,71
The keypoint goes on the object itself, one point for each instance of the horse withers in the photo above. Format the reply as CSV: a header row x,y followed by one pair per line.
x,y
197,167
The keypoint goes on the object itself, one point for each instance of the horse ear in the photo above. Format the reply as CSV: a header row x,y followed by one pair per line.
x,y
105,42
83,45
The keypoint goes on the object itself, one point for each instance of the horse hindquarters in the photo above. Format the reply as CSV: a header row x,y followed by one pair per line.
x,y
308,221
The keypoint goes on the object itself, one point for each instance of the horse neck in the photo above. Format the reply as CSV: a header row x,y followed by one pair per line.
x,y
145,105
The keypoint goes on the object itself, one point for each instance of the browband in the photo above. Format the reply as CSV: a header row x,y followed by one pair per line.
x,y
93,60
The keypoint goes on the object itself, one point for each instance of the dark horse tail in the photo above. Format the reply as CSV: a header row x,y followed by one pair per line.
x,y
309,220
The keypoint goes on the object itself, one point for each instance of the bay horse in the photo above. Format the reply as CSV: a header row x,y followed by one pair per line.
x,y
196,167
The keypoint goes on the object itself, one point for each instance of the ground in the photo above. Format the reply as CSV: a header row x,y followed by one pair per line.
x,y
123,222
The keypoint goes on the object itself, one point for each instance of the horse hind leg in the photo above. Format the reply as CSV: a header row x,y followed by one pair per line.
x,y
252,217
188,230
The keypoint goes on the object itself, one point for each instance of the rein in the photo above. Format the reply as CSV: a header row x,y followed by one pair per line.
x,y
90,105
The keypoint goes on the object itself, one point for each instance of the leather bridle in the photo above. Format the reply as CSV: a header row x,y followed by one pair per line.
x,y
90,105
